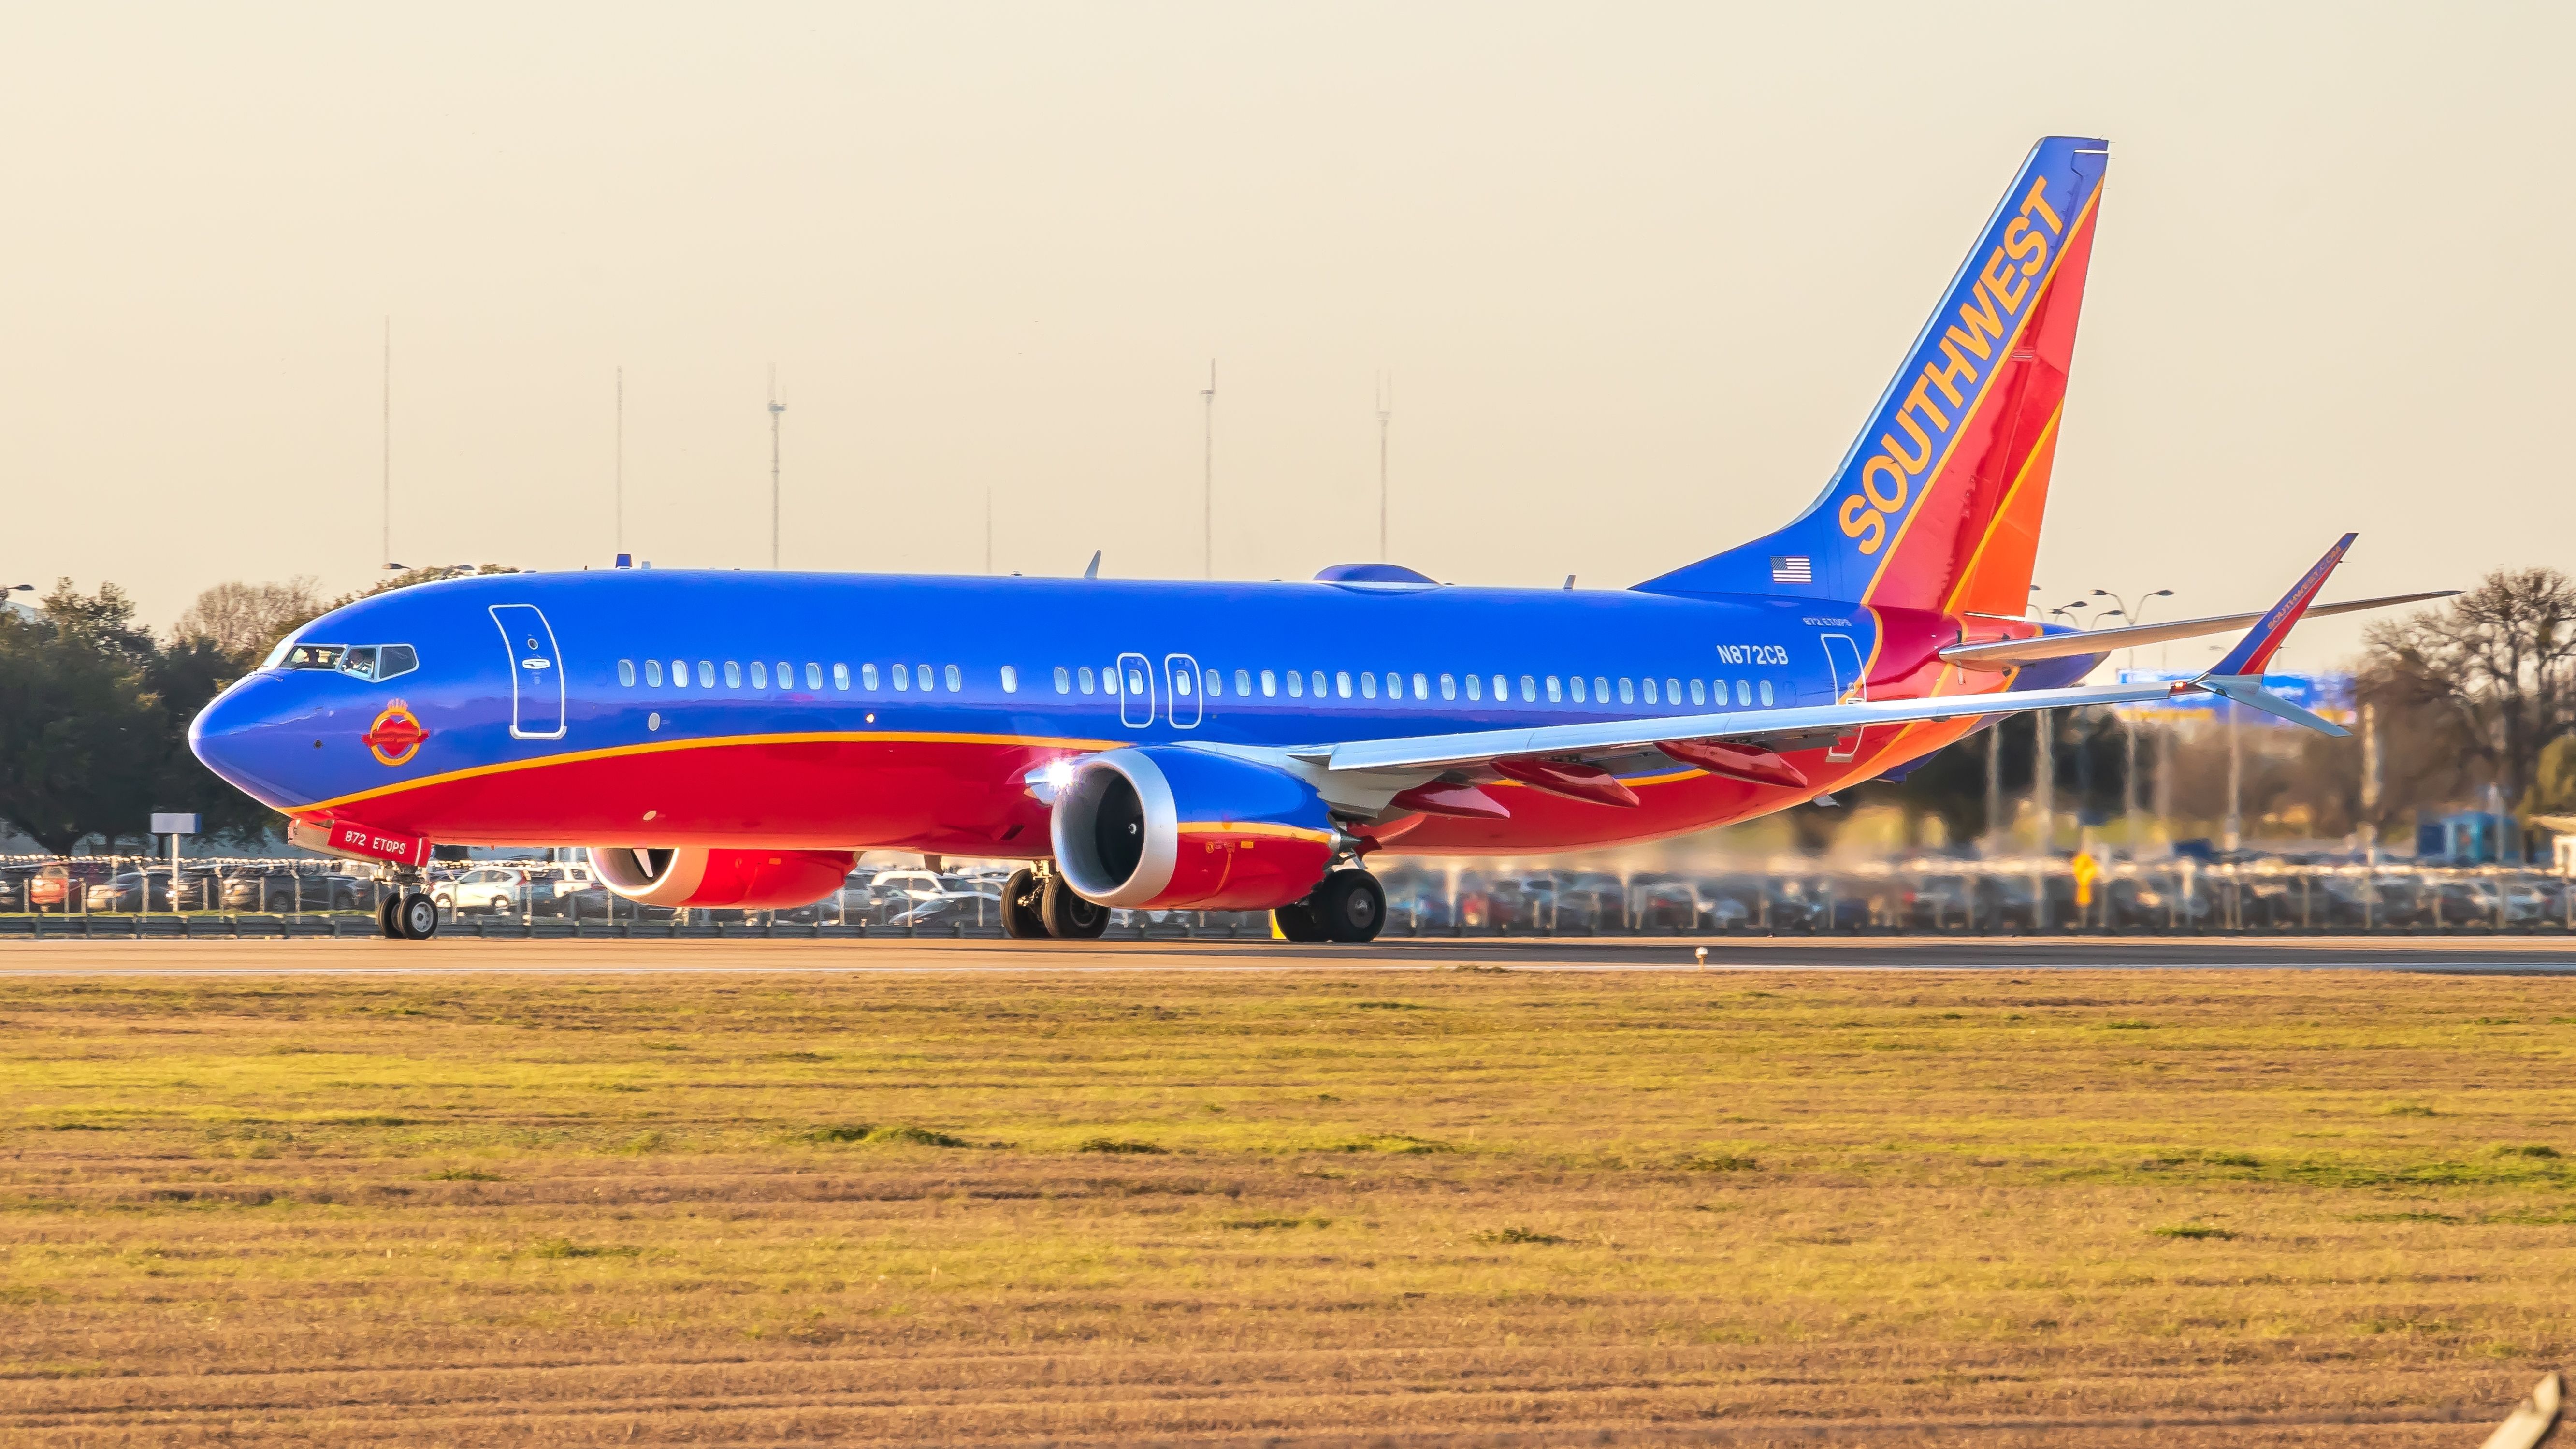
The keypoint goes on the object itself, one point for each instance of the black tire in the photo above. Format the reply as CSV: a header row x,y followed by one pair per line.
x,y
1350,906
1297,922
1024,906
1068,916
385,921
417,917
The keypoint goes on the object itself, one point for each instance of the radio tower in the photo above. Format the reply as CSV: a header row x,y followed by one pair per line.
x,y
1207,482
775,408
1385,411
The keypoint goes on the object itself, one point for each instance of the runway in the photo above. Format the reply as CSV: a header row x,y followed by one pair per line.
x,y
457,957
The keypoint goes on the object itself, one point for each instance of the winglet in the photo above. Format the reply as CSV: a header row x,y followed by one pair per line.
x,y
2238,678
2264,640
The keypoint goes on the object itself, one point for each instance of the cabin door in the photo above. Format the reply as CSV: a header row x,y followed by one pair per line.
x,y
1851,686
536,672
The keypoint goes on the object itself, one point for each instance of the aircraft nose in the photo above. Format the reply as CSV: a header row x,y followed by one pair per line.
x,y
245,736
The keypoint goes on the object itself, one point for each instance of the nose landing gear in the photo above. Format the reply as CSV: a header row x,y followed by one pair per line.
x,y
407,915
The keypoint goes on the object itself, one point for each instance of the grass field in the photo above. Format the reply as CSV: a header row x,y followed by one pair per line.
x,y
1462,1206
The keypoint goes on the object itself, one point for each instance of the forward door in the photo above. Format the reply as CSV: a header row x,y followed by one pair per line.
x,y
536,672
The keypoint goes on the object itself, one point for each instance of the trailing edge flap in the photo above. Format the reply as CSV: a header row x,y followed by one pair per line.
x,y
1422,752
2248,690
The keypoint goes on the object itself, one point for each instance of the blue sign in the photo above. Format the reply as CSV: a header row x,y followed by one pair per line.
x,y
2330,695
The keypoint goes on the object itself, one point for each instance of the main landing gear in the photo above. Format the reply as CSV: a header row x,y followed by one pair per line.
x,y
1038,905
407,915
1348,906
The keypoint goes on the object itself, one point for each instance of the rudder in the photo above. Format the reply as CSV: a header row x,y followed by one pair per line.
x,y
1938,503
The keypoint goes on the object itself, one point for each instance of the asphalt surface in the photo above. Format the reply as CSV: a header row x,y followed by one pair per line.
x,y
377,957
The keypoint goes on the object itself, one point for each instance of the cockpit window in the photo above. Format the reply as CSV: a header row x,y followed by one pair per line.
x,y
375,662
309,656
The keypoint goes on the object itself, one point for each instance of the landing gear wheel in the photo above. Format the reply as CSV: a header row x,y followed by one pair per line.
x,y
1068,916
1297,921
1350,906
417,917
1024,906
385,917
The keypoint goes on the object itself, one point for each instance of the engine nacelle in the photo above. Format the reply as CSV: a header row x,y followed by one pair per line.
x,y
697,876
1170,827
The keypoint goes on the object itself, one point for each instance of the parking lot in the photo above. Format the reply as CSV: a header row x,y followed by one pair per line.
x,y
128,896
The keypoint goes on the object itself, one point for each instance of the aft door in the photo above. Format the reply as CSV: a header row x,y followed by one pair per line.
x,y
1850,687
1181,702
1135,687
536,672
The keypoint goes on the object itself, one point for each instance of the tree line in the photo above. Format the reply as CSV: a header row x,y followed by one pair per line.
x,y
94,707
2479,691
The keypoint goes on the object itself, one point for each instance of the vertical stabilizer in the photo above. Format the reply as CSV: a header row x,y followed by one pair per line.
x,y
1938,503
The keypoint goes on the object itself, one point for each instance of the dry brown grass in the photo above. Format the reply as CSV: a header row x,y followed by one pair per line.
x,y
1465,1207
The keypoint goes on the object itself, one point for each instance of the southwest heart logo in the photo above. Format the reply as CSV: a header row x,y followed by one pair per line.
x,y
395,736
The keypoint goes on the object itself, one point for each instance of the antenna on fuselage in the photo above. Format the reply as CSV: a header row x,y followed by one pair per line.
x,y
1091,570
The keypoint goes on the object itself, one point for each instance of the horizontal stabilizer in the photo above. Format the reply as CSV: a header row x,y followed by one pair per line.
x,y
2012,653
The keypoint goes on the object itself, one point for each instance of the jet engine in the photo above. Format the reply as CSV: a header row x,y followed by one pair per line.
x,y
1171,827
698,876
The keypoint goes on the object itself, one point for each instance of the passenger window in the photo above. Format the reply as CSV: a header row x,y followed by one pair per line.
x,y
1316,679
903,678
1270,684
706,675
1368,686
733,674
813,675
1394,685
653,673
956,679
1448,686
1243,681
759,674
1502,689
867,676
1135,682
1296,685
1342,683
786,675
1554,691
1575,687
1766,691
626,673
841,676
1475,686
1063,680
679,674
1180,681
1216,683
1010,679
1086,679
1699,691
1743,692
1650,689
1529,688
1672,691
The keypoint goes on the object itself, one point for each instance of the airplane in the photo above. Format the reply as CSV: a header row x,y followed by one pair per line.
x,y
729,738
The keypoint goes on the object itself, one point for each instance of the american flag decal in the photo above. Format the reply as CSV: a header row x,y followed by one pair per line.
x,y
1795,569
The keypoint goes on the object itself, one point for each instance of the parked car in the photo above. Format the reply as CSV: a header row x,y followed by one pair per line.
x,y
283,889
63,885
131,891
492,890
13,887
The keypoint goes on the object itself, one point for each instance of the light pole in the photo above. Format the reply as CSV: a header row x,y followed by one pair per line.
x,y
2129,716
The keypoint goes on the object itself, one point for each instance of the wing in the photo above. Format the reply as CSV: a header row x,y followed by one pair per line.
x,y
1772,728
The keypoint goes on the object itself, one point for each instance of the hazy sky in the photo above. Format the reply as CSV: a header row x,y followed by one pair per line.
x,y
1637,273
